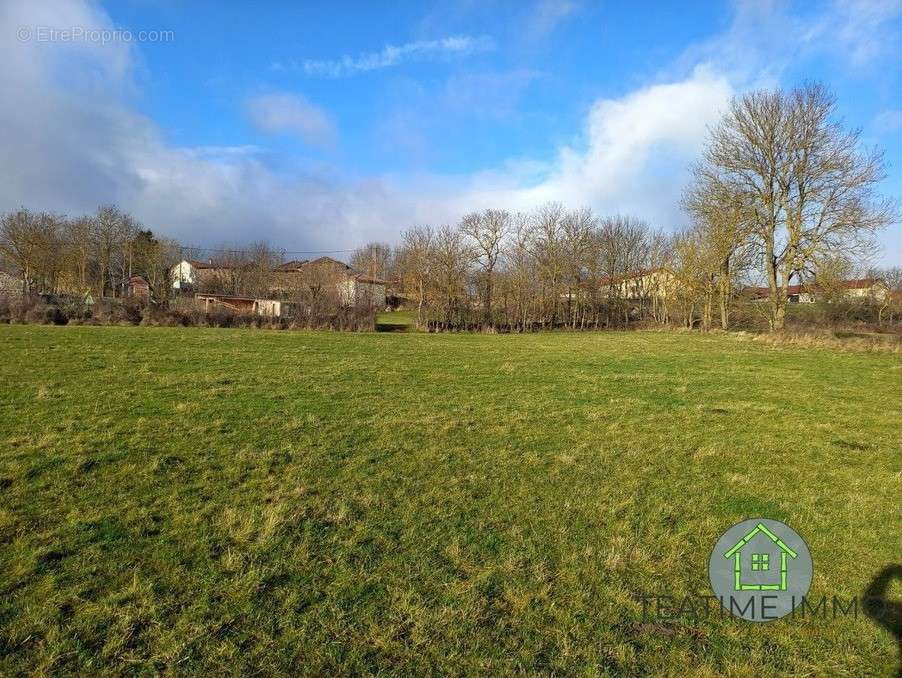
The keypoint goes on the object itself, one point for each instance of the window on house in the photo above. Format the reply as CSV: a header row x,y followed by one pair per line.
x,y
760,562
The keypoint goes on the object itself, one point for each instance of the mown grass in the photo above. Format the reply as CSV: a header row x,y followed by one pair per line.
x,y
244,501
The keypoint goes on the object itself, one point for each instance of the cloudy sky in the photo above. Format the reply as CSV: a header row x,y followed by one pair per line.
x,y
318,127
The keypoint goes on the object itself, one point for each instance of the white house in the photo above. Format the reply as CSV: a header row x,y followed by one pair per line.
x,y
645,284
188,273
184,275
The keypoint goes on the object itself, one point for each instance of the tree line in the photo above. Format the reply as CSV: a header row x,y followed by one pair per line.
x,y
95,253
783,194
552,267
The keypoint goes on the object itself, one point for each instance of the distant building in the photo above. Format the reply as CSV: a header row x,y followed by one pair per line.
x,y
189,274
138,288
330,276
871,288
644,284
270,308
859,289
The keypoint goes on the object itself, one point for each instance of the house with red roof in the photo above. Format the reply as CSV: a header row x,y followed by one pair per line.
x,y
859,289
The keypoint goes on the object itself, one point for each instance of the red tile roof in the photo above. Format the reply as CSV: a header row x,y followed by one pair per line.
x,y
792,290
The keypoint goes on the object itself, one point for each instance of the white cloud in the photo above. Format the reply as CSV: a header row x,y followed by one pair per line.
x,y
889,120
282,112
546,15
633,158
628,136
391,55
861,29
72,140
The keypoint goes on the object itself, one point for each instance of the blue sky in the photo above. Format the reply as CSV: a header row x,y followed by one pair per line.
x,y
323,125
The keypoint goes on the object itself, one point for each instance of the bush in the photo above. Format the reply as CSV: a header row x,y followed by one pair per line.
x,y
31,309
62,310
44,314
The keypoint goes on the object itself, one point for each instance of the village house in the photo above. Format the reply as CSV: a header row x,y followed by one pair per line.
x,y
866,288
860,289
138,288
189,274
329,276
645,284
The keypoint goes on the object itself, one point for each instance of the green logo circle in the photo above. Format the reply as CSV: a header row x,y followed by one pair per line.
x,y
760,569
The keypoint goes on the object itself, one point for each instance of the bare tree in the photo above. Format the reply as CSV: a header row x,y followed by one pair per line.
x,y
34,243
545,243
487,231
79,237
415,263
890,303
806,185
721,226
622,251
111,232
451,258
374,259
153,259
576,241
521,275
259,270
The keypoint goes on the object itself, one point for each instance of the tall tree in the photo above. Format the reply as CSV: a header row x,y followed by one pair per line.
x,y
487,231
415,262
547,247
804,181
451,259
721,226
112,230
374,259
34,243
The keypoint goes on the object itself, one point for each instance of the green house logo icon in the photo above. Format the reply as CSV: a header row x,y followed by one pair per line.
x,y
754,561
760,569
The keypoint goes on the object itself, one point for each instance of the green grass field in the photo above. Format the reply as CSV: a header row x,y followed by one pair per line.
x,y
247,501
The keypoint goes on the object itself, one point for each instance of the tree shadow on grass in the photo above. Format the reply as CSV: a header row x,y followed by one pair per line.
x,y
885,612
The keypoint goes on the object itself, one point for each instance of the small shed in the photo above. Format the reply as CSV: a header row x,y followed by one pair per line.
x,y
139,288
272,308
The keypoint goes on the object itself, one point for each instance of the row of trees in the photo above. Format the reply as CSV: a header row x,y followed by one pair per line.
x,y
95,253
783,194
555,267
551,267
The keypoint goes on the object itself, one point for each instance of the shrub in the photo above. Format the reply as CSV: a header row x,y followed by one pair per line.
x,y
45,314
61,310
